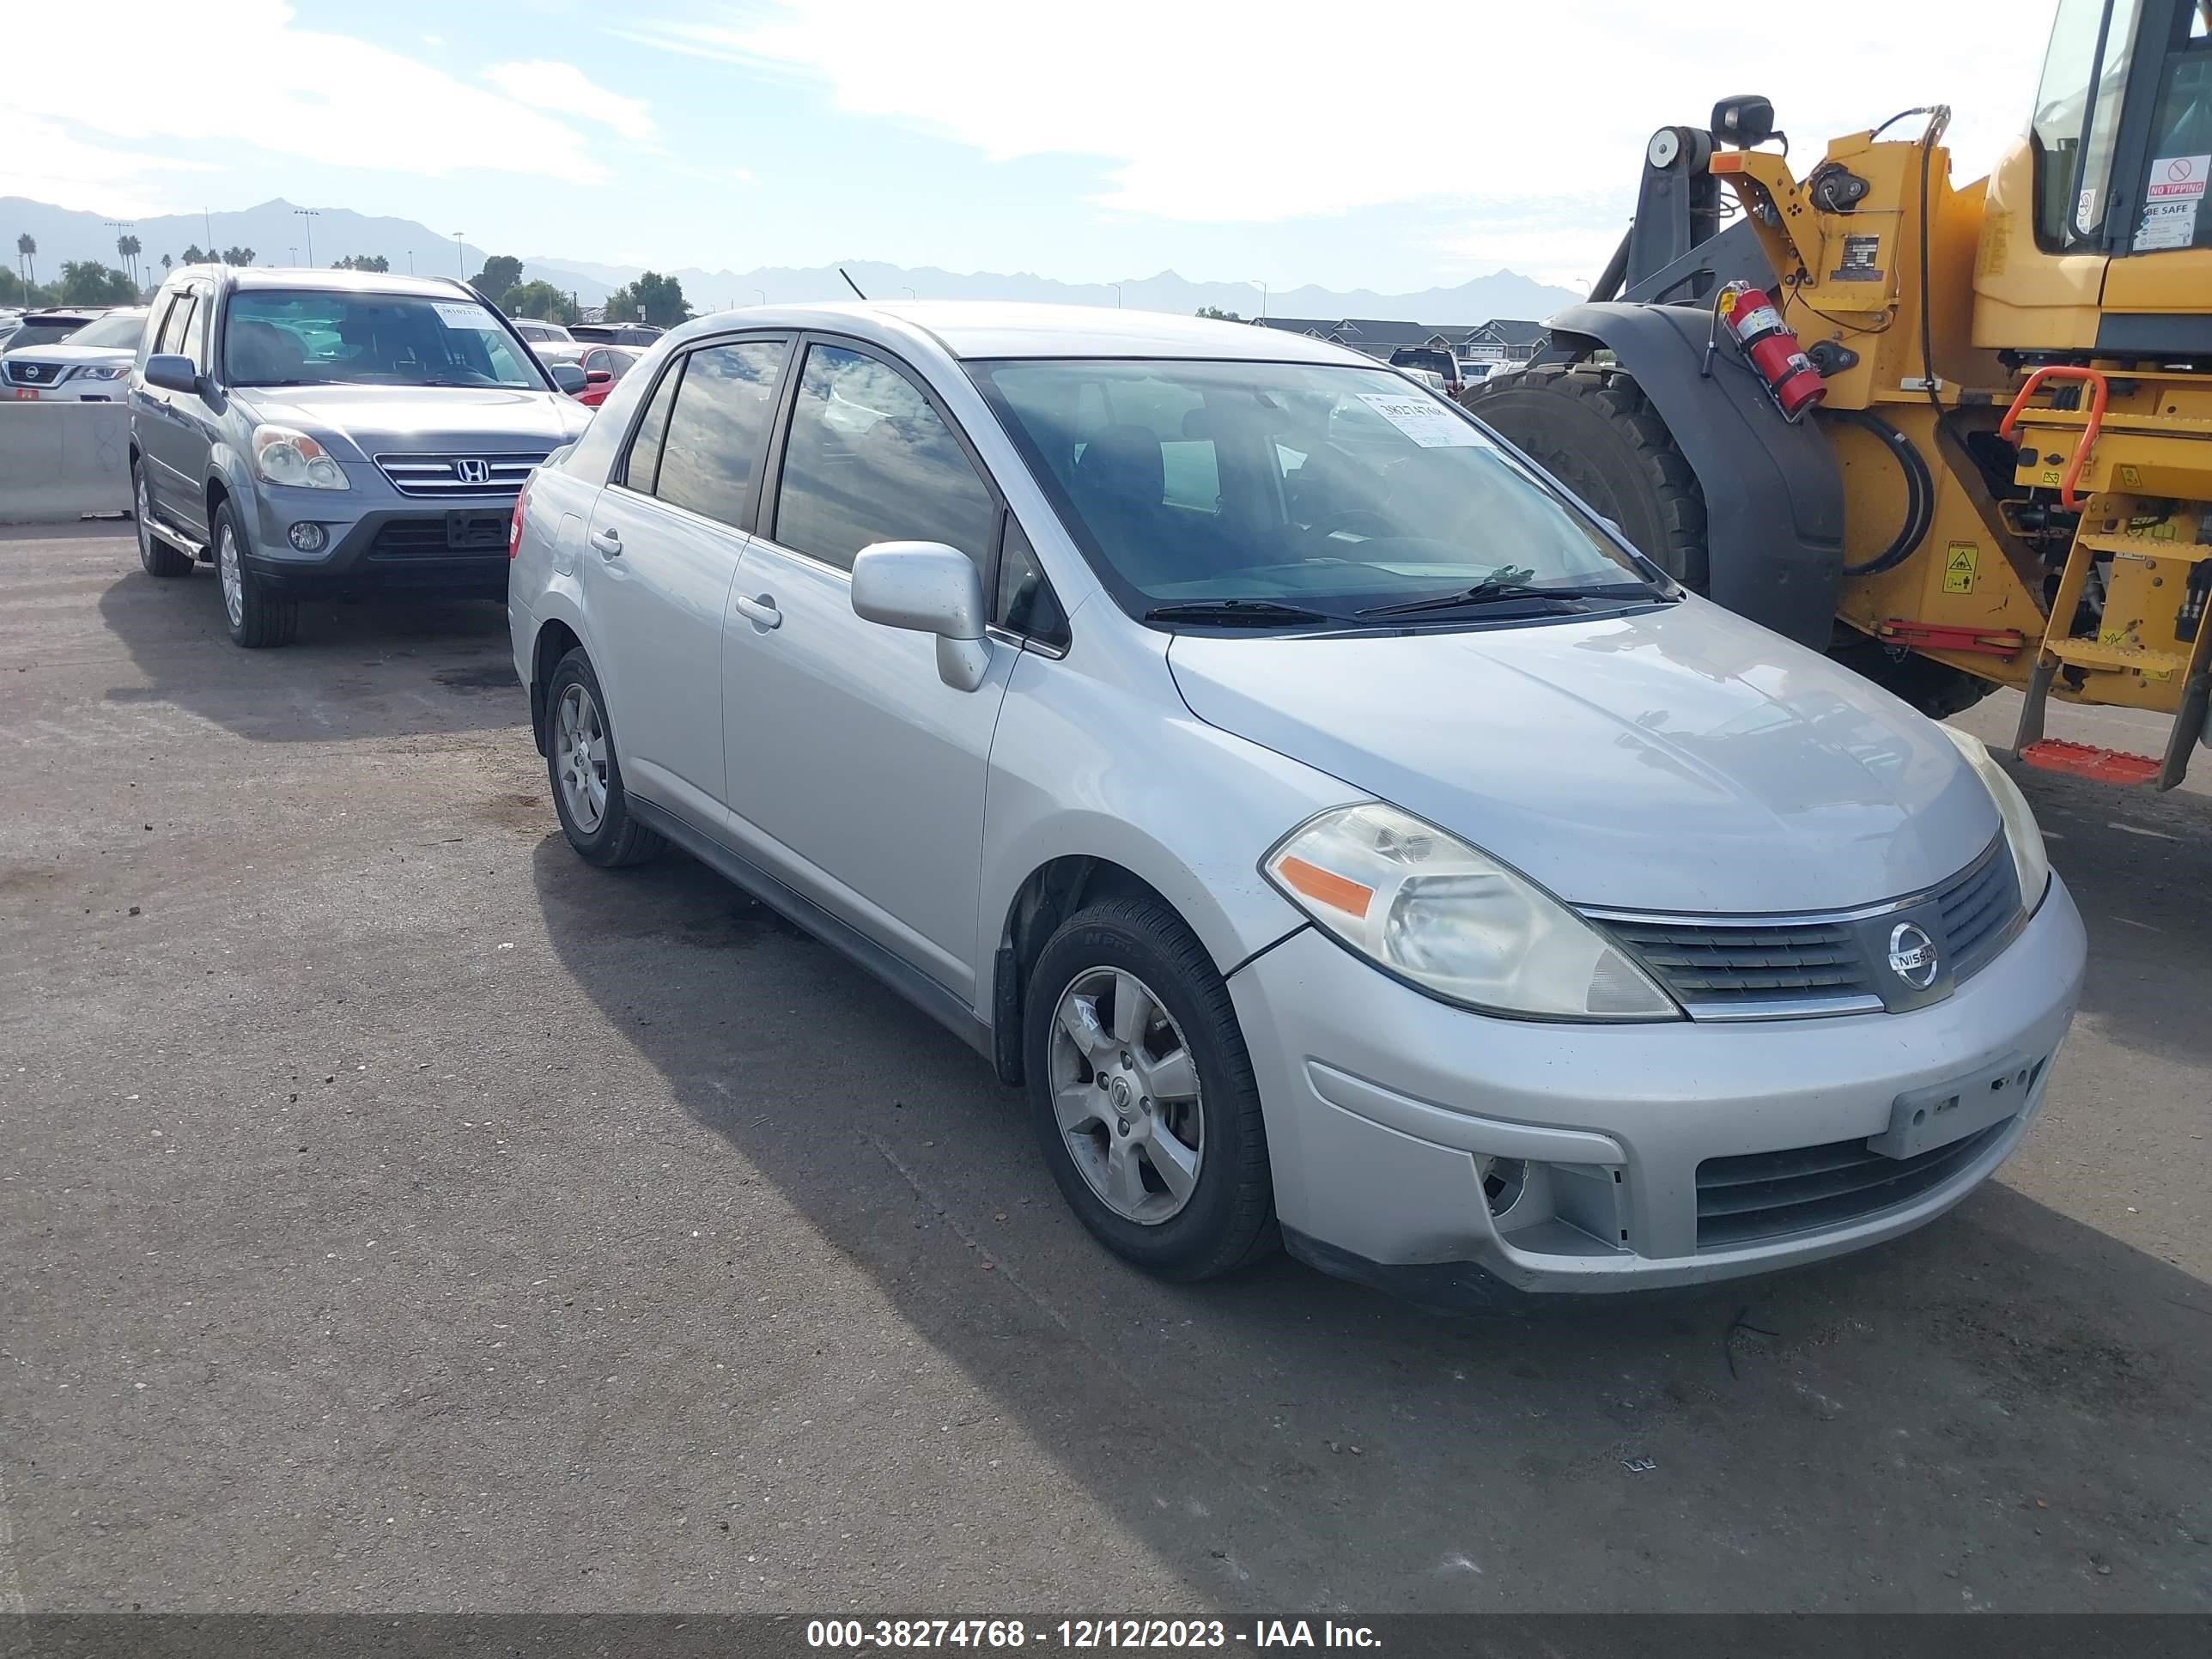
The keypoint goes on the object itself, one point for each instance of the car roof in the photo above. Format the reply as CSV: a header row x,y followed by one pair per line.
x,y
992,329
353,282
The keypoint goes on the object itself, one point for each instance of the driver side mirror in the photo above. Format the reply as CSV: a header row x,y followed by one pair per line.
x,y
928,589
570,378
173,372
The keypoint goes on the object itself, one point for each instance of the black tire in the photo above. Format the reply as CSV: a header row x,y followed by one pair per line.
x,y
1229,1218
256,614
618,839
1595,431
1935,689
157,556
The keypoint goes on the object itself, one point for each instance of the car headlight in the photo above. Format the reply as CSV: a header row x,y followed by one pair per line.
x,y
101,371
282,456
1428,908
2030,860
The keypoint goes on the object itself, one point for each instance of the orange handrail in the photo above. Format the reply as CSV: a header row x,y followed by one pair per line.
x,y
2099,389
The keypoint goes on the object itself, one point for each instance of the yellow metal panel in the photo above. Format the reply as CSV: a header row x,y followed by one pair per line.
x,y
2025,299
2179,281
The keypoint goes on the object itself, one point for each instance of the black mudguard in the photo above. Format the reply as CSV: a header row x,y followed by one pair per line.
x,y
1774,493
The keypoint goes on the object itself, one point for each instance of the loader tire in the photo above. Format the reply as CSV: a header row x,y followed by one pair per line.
x,y
1593,429
1935,689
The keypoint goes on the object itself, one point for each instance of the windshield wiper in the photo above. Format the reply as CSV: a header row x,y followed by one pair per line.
x,y
1499,591
1238,613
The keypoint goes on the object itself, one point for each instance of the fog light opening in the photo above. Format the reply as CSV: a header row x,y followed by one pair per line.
x,y
308,538
1503,1181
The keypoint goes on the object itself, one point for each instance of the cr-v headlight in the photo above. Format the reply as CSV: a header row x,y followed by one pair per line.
x,y
282,456
1427,908
2029,859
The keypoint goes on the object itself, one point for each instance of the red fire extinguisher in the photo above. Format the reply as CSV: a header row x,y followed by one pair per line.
x,y
1770,344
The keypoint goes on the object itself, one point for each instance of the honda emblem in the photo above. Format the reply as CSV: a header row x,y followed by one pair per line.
x,y
471,470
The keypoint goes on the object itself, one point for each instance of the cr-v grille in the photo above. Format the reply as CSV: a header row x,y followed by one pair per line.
x,y
454,474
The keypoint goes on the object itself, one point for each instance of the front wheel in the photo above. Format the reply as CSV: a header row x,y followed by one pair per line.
x,y
256,614
1142,1095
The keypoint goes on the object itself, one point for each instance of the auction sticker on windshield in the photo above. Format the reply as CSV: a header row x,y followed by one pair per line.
x,y
1425,420
464,315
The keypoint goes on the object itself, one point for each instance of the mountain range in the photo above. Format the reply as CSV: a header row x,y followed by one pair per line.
x,y
279,234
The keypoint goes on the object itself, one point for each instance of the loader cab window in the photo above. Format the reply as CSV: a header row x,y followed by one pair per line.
x,y
2172,212
2077,118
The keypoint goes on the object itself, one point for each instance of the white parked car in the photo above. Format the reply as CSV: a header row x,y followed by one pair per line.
x,y
1342,835
91,366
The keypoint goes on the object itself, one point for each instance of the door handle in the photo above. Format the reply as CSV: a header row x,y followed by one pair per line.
x,y
761,612
608,543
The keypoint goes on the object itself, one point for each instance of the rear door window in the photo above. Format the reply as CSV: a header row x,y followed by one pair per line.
x,y
718,428
870,460
640,468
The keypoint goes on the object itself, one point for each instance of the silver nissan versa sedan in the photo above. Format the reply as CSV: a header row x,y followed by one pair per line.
x,y
1340,833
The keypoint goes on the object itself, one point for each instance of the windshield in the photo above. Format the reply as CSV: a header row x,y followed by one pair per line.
x,y
118,328
1331,489
275,338
40,334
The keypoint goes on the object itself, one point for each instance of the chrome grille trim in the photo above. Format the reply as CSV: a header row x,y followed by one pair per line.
x,y
1810,964
435,473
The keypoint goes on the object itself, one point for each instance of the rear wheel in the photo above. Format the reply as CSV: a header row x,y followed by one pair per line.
x,y
1594,430
588,782
157,556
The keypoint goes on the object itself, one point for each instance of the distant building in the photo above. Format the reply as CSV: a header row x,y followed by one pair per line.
x,y
1502,340
1508,339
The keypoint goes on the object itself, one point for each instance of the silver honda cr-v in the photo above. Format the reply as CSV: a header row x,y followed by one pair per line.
x,y
311,432
1338,831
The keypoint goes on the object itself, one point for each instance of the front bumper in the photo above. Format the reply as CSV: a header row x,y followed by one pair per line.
x,y
376,541
1384,1109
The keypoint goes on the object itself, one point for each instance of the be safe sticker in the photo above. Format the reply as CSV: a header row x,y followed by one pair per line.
x,y
1958,566
2171,199
1424,420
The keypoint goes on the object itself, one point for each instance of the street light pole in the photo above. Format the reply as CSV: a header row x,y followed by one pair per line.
x,y
1116,287
118,226
763,294
461,259
1262,287
307,217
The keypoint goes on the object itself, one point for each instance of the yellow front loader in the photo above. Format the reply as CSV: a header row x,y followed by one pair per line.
x,y
2009,481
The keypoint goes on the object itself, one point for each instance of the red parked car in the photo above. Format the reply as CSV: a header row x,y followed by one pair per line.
x,y
603,365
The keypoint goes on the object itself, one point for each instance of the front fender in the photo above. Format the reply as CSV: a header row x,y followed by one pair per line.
x,y
1084,764
1774,494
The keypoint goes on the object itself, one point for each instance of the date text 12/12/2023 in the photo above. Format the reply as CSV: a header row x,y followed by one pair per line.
x,y
1083,1635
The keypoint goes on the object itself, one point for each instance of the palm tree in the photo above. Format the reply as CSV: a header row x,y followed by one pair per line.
x,y
128,246
26,249
165,266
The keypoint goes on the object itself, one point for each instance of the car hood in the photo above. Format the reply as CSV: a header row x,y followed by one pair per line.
x,y
62,352
422,417
1679,759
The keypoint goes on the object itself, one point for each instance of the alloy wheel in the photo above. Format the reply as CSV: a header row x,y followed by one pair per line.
x,y
579,757
1126,1093
233,579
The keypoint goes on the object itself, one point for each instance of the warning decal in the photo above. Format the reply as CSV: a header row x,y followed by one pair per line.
x,y
1958,566
2171,199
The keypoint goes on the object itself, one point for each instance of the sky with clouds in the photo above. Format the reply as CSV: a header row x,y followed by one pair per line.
x,y
1393,144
